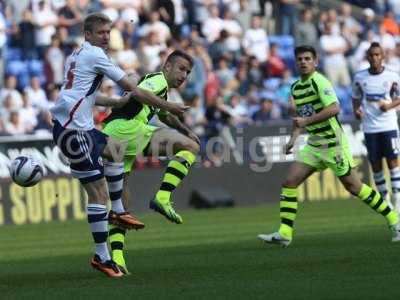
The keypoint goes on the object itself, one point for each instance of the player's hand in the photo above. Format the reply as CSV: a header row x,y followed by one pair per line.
x,y
194,137
288,148
384,105
299,122
177,108
358,113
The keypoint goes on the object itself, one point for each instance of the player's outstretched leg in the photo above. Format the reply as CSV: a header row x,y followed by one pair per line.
x,y
177,169
117,241
378,204
374,200
114,172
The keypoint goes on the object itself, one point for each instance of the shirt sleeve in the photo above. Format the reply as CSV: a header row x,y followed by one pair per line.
x,y
104,65
326,92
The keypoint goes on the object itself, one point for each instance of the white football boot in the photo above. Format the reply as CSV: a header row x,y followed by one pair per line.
x,y
276,238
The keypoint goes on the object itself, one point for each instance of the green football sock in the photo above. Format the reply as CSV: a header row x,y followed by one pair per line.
x,y
377,203
288,211
117,241
177,169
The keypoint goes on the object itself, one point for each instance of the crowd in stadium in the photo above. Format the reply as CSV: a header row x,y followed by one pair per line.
x,y
242,49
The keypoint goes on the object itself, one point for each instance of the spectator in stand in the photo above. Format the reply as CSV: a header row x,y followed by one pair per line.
x,y
283,94
288,11
10,88
335,64
359,61
213,25
244,15
53,91
255,40
232,26
3,39
368,23
195,118
28,114
219,47
54,62
255,72
306,32
390,24
14,125
392,59
127,58
333,20
45,124
387,40
157,27
275,64
45,20
264,113
351,28
36,94
224,73
71,18
238,111
7,107
27,35
152,50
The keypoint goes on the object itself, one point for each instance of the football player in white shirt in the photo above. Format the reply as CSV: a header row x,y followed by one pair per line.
x,y
84,146
375,97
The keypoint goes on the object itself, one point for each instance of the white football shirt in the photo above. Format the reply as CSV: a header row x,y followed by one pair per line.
x,y
83,73
370,89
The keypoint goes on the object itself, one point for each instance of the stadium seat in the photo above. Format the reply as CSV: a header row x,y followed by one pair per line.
x,y
35,67
13,54
15,67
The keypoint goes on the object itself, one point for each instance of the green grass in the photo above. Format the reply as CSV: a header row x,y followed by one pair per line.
x,y
342,250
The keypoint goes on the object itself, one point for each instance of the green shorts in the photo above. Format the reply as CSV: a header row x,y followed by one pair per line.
x,y
339,159
137,135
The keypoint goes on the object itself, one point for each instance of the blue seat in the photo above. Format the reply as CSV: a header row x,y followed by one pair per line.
x,y
16,67
35,67
13,54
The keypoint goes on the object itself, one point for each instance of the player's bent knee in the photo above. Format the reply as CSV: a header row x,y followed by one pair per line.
x,y
290,183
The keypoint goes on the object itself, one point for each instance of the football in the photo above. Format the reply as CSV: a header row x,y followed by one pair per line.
x,y
26,170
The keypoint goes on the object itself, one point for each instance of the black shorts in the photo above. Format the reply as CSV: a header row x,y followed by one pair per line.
x,y
83,150
382,144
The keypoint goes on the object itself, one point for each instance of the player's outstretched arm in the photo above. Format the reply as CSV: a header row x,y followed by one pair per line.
x,y
148,98
115,101
173,122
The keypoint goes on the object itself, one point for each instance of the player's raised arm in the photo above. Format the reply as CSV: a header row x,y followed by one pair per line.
x,y
148,98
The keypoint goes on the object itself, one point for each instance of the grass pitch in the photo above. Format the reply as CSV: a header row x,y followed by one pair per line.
x,y
342,250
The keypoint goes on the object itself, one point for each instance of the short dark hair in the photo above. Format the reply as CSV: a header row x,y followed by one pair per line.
x,y
95,18
179,53
305,48
373,45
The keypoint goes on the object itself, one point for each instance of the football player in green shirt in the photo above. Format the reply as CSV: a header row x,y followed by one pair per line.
x,y
327,147
130,124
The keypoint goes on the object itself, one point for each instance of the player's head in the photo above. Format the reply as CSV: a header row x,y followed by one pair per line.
x,y
375,56
97,27
306,59
177,68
